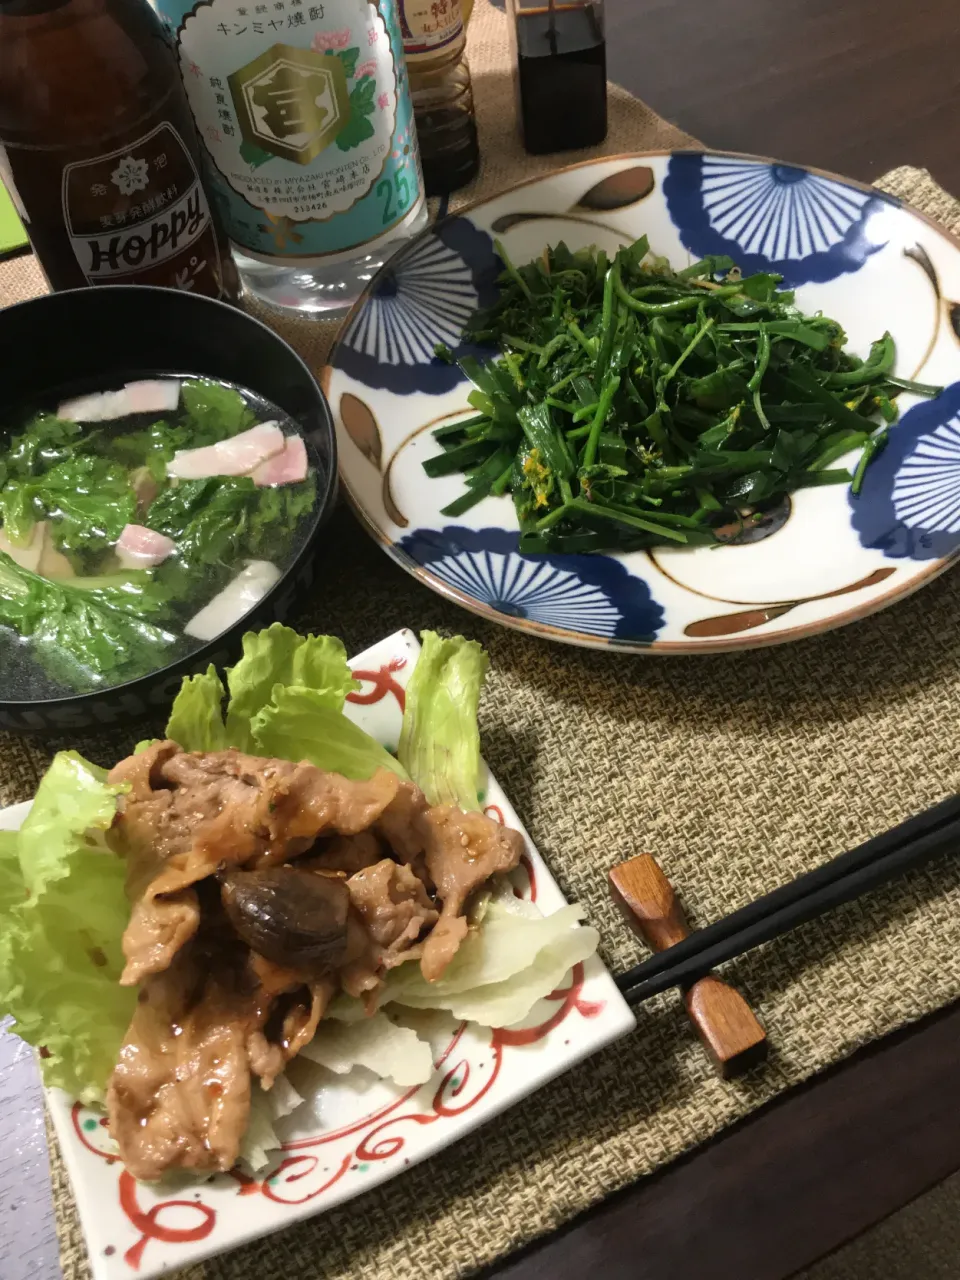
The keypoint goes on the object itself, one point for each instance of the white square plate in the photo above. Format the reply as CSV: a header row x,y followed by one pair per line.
x,y
359,1137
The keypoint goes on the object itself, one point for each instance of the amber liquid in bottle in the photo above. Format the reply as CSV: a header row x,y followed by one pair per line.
x,y
434,46
99,150
447,132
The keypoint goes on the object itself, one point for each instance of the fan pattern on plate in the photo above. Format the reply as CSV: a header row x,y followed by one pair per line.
x,y
926,491
772,217
403,324
779,211
594,595
909,505
512,585
424,297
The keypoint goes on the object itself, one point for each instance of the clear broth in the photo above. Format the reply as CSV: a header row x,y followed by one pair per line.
x,y
33,673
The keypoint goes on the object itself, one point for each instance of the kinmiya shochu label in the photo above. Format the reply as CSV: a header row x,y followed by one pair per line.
x,y
304,111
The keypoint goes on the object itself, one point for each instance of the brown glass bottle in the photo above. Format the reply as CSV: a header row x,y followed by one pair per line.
x,y
99,150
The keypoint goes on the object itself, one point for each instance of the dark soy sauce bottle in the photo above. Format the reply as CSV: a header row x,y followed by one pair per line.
x,y
561,73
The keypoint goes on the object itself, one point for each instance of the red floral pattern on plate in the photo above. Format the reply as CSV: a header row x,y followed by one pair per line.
x,y
452,1097
383,683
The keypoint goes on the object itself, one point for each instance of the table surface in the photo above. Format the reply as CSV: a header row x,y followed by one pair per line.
x,y
856,87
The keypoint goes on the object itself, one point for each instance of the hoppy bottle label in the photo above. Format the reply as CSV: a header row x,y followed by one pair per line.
x,y
304,110
140,213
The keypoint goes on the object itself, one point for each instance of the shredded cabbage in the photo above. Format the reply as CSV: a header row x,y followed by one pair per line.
x,y
389,1051
267,1106
502,968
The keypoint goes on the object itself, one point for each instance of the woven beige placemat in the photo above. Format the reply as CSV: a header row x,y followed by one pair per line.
x,y
739,771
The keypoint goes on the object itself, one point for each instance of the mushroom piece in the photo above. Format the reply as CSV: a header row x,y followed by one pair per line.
x,y
292,917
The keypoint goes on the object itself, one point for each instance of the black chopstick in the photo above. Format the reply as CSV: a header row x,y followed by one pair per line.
x,y
928,822
841,880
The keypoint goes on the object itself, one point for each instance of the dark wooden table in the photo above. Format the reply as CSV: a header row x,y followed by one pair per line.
x,y
857,87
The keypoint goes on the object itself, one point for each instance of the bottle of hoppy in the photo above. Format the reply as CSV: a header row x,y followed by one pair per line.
x,y
303,108
99,152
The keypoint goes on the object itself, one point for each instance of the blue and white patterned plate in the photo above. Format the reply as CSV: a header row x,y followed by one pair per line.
x,y
826,559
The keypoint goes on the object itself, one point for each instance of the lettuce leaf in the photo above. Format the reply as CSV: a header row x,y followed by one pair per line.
x,y
286,700
62,914
300,724
440,739
12,893
12,888
84,631
215,411
279,656
196,717
276,658
502,968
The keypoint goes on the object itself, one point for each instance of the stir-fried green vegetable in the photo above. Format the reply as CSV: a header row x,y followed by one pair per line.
x,y
634,405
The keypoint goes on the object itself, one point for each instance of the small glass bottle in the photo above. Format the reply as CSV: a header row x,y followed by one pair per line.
x,y
434,45
560,59
304,111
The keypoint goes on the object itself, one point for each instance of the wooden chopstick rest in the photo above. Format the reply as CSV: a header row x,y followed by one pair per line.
x,y
723,1020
